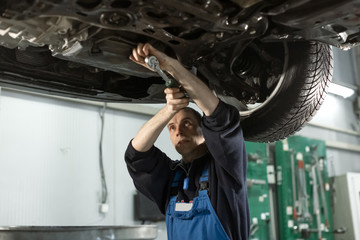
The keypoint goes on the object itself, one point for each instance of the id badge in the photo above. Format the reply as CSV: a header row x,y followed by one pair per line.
x,y
183,207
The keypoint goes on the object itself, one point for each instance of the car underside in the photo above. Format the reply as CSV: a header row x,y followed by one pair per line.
x,y
251,53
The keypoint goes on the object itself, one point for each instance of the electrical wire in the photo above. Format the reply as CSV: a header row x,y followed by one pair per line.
x,y
104,190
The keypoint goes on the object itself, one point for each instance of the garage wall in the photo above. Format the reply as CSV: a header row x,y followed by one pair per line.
x,y
43,155
343,143
49,162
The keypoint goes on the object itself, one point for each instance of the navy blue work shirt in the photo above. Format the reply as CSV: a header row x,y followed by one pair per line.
x,y
153,172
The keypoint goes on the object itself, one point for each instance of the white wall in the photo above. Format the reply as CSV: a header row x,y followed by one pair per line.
x,y
45,147
49,162
336,113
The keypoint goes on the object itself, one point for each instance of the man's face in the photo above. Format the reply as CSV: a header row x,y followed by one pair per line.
x,y
185,132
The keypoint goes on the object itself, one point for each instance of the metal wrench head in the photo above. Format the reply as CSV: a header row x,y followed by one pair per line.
x,y
152,62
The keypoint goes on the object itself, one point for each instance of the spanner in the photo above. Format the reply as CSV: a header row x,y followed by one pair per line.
x,y
153,63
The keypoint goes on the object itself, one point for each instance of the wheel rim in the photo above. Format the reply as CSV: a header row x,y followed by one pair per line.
x,y
252,108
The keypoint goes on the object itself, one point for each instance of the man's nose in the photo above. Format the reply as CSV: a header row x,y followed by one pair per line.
x,y
179,131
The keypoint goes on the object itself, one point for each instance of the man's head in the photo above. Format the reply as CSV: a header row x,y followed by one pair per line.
x,y
185,131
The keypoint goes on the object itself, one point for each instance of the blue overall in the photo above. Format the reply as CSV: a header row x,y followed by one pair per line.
x,y
198,222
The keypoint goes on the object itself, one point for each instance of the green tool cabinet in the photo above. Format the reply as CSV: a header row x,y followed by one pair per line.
x,y
296,204
304,202
258,191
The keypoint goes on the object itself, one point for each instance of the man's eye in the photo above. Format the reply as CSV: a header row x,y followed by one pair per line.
x,y
171,128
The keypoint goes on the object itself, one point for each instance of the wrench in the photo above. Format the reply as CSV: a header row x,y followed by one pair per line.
x,y
153,63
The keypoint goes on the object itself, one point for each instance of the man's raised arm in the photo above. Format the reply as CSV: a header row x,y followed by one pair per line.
x,y
175,100
197,89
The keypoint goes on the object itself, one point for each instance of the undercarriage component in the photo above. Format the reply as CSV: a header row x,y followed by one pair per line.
x,y
253,54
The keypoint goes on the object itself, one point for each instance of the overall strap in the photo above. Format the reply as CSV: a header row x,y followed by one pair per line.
x,y
204,179
175,183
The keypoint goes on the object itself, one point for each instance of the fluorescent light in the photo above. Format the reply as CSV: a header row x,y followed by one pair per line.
x,y
340,90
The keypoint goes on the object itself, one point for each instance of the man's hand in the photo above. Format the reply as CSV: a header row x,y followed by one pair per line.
x,y
175,99
143,50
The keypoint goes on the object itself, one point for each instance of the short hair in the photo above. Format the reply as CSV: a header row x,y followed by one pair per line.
x,y
196,114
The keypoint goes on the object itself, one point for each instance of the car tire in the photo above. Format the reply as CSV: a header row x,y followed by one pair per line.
x,y
306,76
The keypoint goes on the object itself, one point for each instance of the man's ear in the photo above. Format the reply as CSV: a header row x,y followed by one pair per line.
x,y
199,131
